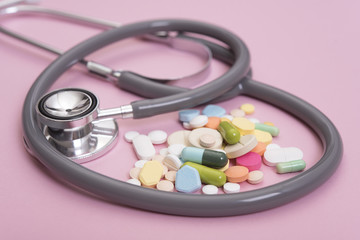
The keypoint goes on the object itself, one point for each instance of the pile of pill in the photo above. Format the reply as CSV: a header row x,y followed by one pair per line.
x,y
215,150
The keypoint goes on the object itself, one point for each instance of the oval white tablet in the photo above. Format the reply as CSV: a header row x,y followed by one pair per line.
x,y
279,155
210,189
130,135
143,147
231,187
199,121
157,136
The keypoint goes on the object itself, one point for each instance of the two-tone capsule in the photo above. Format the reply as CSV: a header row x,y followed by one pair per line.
x,y
208,175
230,134
206,157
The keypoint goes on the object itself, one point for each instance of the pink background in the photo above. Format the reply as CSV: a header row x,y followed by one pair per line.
x,y
309,48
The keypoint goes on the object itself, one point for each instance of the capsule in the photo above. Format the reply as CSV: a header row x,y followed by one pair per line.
x,y
292,166
208,175
207,157
229,132
274,131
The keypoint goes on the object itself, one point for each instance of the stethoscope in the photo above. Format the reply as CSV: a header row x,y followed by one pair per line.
x,y
59,119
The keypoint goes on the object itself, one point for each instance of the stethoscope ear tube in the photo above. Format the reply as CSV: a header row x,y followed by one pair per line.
x,y
177,203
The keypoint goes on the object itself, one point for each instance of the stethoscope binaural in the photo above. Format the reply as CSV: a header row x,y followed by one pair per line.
x,y
82,111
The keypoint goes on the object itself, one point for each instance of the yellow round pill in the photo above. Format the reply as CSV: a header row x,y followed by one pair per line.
x,y
244,125
248,108
263,137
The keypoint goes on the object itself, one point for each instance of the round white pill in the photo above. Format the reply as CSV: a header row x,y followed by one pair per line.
x,y
199,121
157,136
130,135
231,187
164,152
272,146
210,189
176,149
140,163
134,181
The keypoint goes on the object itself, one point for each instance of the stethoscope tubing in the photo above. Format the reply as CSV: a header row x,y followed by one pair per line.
x,y
177,203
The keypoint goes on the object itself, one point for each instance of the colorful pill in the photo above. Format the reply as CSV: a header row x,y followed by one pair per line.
x,y
260,148
237,174
229,132
213,122
274,131
243,125
214,111
188,114
262,136
248,108
151,173
251,161
187,180
292,166
207,157
208,175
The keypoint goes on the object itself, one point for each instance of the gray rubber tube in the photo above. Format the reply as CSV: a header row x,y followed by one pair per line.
x,y
178,203
144,87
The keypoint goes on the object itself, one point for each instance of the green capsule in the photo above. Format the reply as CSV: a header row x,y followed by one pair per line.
x,y
292,166
274,131
208,175
229,132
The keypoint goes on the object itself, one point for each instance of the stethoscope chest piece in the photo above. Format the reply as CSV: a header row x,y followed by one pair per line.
x,y
68,119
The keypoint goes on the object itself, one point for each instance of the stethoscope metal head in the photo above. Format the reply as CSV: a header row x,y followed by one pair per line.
x,y
69,119
67,108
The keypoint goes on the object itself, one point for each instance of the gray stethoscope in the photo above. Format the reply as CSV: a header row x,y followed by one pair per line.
x,y
57,123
